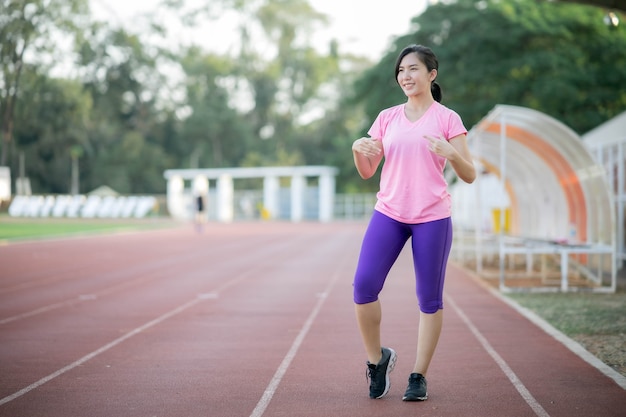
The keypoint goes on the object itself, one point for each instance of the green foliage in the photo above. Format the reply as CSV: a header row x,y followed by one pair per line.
x,y
49,126
29,28
556,58
131,106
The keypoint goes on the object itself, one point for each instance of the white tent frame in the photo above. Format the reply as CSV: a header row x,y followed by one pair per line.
x,y
607,143
523,146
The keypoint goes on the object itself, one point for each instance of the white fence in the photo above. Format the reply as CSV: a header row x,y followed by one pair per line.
x,y
82,206
354,206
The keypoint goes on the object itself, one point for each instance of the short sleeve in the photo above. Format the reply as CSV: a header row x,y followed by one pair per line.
x,y
377,130
455,125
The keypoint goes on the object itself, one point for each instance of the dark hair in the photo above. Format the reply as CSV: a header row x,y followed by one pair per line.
x,y
427,56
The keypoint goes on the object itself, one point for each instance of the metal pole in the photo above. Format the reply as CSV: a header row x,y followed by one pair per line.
x,y
503,182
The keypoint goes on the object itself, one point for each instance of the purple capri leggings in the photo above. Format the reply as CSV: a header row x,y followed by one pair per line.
x,y
382,244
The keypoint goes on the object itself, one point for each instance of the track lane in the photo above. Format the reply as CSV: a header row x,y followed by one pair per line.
x,y
560,381
328,377
105,272
217,357
292,253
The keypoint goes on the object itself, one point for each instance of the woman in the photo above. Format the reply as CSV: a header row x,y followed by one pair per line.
x,y
416,139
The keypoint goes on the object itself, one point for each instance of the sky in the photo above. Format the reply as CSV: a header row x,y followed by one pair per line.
x,y
366,28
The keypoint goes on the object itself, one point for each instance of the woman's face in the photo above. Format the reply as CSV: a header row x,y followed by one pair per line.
x,y
413,76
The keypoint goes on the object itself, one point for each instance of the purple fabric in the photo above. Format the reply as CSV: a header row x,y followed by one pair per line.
x,y
382,244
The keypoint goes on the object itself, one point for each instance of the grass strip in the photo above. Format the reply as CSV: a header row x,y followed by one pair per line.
x,y
13,229
596,321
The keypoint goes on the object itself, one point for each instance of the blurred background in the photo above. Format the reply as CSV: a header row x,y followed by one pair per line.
x,y
101,98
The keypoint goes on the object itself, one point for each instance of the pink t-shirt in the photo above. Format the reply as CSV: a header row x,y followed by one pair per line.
x,y
412,186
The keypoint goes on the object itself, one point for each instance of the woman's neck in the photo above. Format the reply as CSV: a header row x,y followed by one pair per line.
x,y
419,104
414,110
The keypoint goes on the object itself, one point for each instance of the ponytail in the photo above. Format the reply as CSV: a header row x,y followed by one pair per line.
x,y
435,90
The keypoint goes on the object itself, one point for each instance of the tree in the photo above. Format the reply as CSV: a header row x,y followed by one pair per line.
x,y
121,75
51,129
252,105
28,29
215,133
560,59
271,100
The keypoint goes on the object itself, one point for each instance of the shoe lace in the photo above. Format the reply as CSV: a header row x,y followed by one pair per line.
x,y
416,380
370,373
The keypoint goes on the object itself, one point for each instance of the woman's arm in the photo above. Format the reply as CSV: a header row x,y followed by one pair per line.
x,y
457,152
367,153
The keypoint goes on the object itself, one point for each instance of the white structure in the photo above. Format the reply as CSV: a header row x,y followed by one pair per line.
x,y
92,206
607,144
5,183
178,195
559,198
474,205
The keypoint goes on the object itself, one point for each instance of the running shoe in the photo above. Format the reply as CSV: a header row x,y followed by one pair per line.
x,y
416,391
378,374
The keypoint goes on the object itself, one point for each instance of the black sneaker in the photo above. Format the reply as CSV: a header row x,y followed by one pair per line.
x,y
416,391
379,374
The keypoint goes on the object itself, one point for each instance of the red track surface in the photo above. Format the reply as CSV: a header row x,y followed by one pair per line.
x,y
255,320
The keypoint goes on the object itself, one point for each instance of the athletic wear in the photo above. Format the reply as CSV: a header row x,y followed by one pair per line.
x,y
417,389
413,201
412,186
382,244
379,374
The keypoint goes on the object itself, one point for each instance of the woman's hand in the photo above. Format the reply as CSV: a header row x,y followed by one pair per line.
x,y
367,147
456,151
440,146
367,154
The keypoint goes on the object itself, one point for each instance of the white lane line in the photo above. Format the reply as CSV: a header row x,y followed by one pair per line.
x,y
78,299
569,343
208,296
517,383
38,311
261,406
90,297
101,350
199,298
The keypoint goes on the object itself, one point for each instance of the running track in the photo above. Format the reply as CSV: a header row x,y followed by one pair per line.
x,y
256,319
